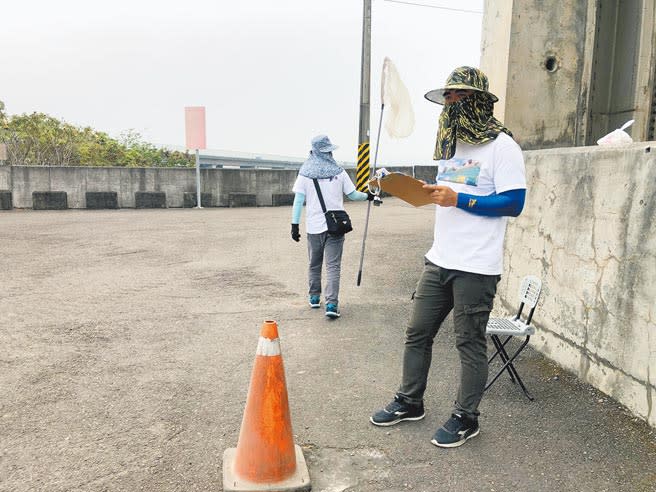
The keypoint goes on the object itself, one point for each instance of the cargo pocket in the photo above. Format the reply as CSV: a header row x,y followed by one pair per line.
x,y
472,320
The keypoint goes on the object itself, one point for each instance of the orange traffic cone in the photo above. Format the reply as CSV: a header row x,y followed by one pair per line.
x,y
266,457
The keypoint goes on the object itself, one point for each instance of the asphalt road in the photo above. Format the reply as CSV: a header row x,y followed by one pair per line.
x,y
127,338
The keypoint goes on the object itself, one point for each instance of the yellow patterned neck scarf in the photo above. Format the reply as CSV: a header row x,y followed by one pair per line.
x,y
470,119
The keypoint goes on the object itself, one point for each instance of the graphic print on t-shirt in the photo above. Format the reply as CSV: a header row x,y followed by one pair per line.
x,y
463,171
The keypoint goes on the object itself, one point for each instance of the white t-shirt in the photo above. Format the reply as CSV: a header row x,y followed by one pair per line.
x,y
333,191
465,241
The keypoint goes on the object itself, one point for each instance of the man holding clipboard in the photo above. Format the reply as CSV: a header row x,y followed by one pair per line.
x,y
480,183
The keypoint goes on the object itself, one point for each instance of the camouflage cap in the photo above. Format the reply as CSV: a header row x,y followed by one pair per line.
x,y
462,78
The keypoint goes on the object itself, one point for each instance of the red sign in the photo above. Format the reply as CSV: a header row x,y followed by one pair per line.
x,y
195,127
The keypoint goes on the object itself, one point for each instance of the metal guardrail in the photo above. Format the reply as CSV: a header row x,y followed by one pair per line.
x,y
213,162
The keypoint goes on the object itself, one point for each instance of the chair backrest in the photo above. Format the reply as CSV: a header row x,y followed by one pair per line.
x,y
529,293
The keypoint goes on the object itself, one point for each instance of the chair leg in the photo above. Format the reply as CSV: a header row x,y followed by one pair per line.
x,y
501,352
514,375
508,365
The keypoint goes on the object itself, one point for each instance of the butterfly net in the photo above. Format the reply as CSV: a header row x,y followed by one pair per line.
x,y
400,119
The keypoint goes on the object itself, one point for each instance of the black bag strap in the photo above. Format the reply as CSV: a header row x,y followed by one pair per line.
x,y
316,186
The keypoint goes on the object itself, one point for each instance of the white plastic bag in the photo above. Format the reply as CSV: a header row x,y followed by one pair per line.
x,y
617,137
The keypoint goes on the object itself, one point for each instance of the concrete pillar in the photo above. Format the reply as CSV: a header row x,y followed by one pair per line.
x,y
568,72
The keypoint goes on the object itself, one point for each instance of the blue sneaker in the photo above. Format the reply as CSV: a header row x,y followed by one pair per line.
x,y
315,301
397,411
456,431
332,311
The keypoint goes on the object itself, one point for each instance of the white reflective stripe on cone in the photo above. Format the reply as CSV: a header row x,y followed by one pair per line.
x,y
268,347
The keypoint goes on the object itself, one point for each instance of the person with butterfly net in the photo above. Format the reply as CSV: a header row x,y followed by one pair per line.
x,y
480,183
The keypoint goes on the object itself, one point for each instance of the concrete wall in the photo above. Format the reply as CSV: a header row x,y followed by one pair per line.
x,y
495,49
5,178
571,71
589,231
76,181
540,106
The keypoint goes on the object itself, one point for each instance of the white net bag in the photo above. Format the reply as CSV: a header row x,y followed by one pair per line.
x,y
400,120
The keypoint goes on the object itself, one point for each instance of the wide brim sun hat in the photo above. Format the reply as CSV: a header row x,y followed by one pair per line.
x,y
323,144
462,78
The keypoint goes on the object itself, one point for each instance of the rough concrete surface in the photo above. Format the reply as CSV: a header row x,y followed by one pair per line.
x,y
127,338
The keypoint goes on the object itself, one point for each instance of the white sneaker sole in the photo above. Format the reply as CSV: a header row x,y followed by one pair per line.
x,y
394,422
457,443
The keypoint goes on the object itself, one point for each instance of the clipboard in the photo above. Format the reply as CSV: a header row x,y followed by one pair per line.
x,y
404,187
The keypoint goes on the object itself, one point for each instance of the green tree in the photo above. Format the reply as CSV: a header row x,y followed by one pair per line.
x,y
41,140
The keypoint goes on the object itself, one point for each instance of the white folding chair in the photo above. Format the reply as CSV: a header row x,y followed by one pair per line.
x,y
516,326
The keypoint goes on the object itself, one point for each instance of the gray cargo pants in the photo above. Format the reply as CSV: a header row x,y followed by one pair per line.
x,y
470,296
324,246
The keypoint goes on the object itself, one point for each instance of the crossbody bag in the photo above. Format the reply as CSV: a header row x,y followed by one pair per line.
x,y
338,221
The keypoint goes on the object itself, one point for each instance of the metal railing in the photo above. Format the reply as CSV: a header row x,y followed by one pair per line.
x,y
213,162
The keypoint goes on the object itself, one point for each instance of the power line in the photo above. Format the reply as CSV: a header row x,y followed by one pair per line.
x,y
434,6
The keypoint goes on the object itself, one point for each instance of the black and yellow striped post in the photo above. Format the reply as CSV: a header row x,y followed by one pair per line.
x,y
363,171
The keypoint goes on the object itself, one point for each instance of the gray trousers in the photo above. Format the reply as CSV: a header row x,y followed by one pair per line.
x,y
324,246
470,296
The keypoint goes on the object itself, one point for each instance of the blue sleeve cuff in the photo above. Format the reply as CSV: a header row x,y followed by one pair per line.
x,y
357,196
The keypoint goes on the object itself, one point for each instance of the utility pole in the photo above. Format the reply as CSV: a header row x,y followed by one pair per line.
x,y
363,172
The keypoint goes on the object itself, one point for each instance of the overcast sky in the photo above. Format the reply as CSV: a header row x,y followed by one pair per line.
x,y
271,74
